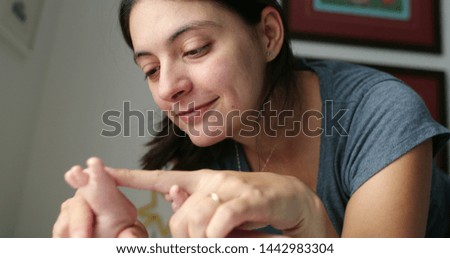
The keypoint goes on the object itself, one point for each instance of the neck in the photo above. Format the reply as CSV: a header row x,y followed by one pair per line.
x,y
282,138
271,136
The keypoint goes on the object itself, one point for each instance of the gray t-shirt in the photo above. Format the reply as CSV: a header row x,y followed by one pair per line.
x,y
371,119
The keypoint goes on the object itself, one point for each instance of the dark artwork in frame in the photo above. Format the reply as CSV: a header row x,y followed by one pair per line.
x,y
413,25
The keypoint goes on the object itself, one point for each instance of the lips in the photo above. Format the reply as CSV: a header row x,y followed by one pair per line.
x,y
195,110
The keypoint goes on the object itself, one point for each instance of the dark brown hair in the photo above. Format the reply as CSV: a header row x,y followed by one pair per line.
x,y
172,144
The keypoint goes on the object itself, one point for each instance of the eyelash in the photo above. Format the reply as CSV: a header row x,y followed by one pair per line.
x,y
151,73
196,53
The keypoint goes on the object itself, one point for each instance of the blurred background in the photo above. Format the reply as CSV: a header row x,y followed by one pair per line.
x,y
56,85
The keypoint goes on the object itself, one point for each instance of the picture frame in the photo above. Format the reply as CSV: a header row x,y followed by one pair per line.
x,y
412,25
431,86
18,23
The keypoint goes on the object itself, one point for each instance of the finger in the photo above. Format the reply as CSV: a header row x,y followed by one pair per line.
x,y
81,221
61,226
156,180
178,197
95,163
136,231
192,219
76,178
174,190
238,233
200,216
178,225
168,197
231,215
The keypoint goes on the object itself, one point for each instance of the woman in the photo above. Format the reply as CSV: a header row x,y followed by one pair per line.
x,y
337,149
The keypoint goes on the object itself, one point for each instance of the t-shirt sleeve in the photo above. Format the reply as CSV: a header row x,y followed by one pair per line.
x,y
390,120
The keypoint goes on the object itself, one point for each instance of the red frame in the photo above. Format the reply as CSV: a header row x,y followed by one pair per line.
x,y
421,33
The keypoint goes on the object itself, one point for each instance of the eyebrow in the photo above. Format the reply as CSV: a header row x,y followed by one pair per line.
x,y
196,25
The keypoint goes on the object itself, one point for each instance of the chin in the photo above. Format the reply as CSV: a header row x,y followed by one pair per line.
x,y
201,137
205,140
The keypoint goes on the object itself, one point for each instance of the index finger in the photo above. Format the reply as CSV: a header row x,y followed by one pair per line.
x,y
156,180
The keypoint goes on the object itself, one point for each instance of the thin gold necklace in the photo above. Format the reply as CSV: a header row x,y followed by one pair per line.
x,y
268,159
238,160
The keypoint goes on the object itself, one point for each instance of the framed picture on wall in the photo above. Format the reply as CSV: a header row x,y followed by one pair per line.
x,y
18,22
397,24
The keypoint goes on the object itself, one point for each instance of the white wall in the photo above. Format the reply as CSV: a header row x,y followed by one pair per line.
x,y
91,71
21,87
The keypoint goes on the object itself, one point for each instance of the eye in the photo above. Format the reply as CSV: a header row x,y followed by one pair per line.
x,y
152,74
198,52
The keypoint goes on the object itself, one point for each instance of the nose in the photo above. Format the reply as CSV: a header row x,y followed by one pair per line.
x,y
174,83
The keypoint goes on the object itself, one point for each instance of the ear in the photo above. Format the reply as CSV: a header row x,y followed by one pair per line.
x,y
272,31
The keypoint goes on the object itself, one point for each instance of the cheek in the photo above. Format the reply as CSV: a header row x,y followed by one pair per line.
x,y
231,77
215,74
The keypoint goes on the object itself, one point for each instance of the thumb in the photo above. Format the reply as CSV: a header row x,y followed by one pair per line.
x,y
136,231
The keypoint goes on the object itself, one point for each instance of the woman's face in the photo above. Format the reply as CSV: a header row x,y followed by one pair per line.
x,y
199,59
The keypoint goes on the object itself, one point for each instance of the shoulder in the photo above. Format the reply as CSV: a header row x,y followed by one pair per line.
x,y
384,118
369,96
348,82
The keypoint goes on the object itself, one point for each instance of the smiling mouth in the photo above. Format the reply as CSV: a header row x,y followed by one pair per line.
x,y
192,111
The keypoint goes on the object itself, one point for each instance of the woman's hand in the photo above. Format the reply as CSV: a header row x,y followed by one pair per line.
x,y
217,202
